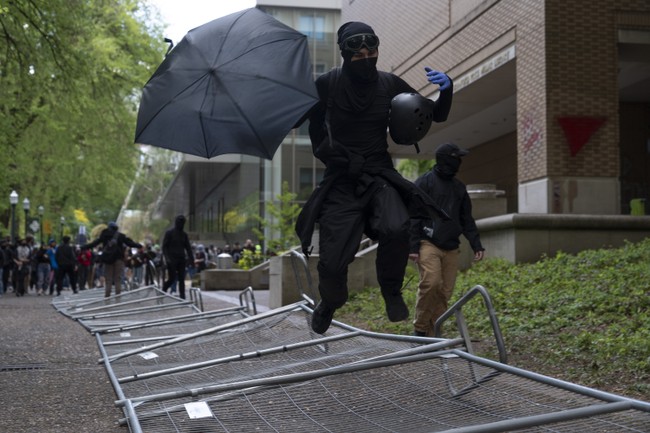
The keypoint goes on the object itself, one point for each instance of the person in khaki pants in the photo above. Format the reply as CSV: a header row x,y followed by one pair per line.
x,y
434,244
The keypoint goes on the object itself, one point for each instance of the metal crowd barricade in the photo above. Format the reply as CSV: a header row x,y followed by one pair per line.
x,y
233,370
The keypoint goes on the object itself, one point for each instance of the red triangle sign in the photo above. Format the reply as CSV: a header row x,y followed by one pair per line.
x,y
578,130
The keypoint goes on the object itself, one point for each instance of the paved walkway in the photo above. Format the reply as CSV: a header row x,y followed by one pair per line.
x,y
232,297
50,379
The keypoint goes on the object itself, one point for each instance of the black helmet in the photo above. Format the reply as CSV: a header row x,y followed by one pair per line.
x,y
410,118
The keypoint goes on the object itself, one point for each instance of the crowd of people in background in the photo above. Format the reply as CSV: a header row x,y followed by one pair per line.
x,y
48,268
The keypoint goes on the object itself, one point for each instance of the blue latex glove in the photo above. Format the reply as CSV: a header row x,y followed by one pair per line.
x,y
437,77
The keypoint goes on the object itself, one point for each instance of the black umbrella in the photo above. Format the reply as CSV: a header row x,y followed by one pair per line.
x,y
237,84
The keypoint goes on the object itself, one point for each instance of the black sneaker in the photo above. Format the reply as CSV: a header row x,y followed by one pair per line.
x,y
396,309
417,333
322,318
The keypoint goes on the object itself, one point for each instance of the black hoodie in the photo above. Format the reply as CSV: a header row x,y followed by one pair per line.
x,y
176,245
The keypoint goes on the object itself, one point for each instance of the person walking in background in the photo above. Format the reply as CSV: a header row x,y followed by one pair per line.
x,y
97,273
6,261
114,244
249,245
434,245
43,268
177,252
33,263
22,267
31,269
54,266
67,261
361,190
151,264
200,258
191,270
138,262
84,267
235,252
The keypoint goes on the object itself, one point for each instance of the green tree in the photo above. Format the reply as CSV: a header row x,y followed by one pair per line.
x,y
284,213
70,78
154,174
413,168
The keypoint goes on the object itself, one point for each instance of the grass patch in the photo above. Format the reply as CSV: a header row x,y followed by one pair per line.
x,y
583,318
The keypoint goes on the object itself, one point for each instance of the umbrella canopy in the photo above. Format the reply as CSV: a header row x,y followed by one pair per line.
x,y
237,84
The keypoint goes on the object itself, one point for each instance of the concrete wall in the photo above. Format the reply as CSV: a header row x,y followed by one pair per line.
x,y
236,279
487,201
526,237
285,283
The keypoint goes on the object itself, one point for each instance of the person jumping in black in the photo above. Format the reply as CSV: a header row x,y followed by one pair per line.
x,y
361,191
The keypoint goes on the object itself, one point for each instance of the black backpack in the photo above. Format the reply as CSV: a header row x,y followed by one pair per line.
x,y
111,252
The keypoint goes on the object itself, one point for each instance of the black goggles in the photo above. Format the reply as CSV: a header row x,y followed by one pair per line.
x,y
356,42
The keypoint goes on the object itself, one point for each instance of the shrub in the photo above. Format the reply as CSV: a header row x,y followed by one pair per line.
x,y
250,259
583,317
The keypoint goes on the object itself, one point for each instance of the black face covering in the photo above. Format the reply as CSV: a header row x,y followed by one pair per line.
x,y
447,166
363,70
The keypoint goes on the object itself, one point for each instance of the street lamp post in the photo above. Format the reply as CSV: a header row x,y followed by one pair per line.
x,y
26,209
13,200
62,224
41,211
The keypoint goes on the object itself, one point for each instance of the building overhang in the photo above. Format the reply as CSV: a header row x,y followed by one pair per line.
x,y
177,199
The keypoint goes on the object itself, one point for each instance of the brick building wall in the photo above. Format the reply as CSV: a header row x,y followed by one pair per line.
x,y
582,81
531,95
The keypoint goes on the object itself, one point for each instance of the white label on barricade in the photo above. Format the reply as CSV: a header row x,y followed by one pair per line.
x,y
148,355
198,409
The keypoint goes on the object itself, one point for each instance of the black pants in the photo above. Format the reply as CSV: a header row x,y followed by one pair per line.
x,y
6,273
64,270
19,280
176,271
82,276
382,215
148,274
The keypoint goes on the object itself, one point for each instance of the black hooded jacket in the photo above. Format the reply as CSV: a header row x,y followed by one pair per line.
x,y
65,255
359,135
451,195
176,244
360,147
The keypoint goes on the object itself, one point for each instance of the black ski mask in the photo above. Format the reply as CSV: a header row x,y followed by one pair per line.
x,y
448,160
447,166
179,223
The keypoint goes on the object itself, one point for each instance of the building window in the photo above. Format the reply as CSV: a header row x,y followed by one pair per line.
x,y
312,26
